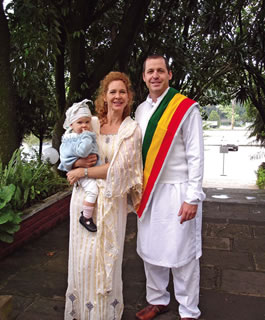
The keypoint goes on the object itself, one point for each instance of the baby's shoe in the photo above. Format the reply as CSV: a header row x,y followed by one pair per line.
x,y
88,223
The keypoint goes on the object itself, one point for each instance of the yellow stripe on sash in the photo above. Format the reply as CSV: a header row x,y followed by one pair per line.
x,y
159,134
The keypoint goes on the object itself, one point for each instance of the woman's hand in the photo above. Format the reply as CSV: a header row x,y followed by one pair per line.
x,y
75,174
87,162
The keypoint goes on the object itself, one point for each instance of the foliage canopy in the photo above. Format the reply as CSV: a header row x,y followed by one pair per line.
x,y
60,50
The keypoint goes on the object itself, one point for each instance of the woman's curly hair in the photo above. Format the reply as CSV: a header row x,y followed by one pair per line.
x,y
101,106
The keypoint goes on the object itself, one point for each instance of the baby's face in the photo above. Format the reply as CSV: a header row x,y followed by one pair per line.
x,y
81,125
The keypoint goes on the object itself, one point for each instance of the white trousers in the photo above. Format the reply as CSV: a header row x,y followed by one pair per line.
x,y
186,281
91,189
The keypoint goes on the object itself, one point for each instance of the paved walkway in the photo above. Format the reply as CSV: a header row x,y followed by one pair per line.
x,y
232,266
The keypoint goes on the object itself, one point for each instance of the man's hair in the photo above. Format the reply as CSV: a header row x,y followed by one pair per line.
x,y
157,56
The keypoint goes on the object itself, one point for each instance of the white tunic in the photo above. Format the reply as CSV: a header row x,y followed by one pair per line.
x,y
162,240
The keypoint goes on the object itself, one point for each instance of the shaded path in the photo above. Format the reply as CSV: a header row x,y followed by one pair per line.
x,y
232,266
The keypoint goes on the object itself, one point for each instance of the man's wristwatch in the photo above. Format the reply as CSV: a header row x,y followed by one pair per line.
x,y
86,172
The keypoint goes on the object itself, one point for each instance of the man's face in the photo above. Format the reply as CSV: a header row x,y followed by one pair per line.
x,y
156,76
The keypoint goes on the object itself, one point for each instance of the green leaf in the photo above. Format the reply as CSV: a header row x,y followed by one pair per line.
x,y
32,193
26,194
5,237
10,228
17,197
6,194
17,217
6,214
4,217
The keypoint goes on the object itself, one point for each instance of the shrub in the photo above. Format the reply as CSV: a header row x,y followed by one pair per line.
x,y
23,183
214,116
261,176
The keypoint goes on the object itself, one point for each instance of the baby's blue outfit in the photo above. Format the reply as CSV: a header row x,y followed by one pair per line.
x,y
75,146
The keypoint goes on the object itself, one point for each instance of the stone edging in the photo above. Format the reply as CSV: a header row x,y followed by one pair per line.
x,y
45,203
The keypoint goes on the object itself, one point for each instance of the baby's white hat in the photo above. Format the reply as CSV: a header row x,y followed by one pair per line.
x,y
78,110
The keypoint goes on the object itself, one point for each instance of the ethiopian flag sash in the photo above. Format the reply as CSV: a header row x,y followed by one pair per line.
x,y
162,127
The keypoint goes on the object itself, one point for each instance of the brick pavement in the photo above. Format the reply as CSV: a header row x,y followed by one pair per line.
x,y
232,266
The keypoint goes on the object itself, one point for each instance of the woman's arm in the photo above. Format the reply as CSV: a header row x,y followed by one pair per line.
x,y
98,172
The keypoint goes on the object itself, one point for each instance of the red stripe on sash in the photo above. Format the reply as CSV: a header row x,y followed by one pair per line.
x,y
160,158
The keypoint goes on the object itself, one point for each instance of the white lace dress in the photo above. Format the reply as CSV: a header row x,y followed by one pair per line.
x,y
94,272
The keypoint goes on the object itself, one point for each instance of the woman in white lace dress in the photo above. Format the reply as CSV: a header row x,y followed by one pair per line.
x,y
94,272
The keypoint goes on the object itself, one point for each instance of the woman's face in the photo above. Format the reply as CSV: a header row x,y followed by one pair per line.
x,y
117,96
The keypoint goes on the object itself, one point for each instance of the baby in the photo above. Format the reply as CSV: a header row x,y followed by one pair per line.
x,y
78,142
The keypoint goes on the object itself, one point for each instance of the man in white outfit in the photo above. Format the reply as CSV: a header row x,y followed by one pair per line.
x,y
170,214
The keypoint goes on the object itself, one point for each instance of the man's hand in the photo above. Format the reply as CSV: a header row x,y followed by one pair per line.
x,y
87,162
187,211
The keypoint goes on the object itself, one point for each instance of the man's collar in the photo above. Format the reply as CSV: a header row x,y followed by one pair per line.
x,y
149,99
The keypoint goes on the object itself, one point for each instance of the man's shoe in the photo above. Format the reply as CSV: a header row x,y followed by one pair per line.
x,y
88,223
151,311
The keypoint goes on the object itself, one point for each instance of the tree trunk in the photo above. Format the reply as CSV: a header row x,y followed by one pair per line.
x,y
82,86
129,29
10,135
76,90
58,132
60,92
233,115
78,80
